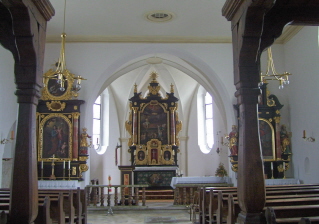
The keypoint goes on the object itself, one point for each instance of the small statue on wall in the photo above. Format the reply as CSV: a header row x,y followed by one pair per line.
x,y
284,140
84,142
233,141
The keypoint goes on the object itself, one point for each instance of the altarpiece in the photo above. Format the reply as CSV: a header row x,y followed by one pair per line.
x,y
61,155
153,126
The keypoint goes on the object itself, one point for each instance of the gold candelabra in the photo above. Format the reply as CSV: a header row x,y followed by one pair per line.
x,y
282,78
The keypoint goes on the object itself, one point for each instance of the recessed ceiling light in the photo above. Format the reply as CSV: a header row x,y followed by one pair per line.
x,y
159,16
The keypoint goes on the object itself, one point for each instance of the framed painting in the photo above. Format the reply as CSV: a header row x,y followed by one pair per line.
x,y
141,155
168,155
267,140
55,132
154,123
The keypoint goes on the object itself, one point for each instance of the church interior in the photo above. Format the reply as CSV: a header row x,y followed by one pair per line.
x,y
157,92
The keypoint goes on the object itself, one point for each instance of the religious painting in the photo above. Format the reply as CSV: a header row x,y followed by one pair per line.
x,y
55,133
153,123
141,155
168,155
267,139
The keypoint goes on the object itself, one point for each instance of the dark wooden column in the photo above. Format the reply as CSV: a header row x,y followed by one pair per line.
x,y
246,30
255,26
24,35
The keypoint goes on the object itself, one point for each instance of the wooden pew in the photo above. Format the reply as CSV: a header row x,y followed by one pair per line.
x,y
284,194
292,214
279,203
76,207
44,212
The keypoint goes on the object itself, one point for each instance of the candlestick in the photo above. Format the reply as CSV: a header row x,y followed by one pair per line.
x,y
12,135
63,164
304,133
69,164
42,164
272,166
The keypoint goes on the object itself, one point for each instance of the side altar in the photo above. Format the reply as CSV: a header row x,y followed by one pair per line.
x,y
153,126
62,151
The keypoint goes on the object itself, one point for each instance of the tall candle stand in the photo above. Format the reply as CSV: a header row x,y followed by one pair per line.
x,y
63,172
69,173
272,170
109,211
41,172
52,177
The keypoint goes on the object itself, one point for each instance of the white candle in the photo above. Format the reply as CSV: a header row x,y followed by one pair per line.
x,y
42,164
271,166
63,164
284,166
69,164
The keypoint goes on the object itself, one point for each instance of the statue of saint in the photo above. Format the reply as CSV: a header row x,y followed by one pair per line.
x,y
84,137
233,141
284,139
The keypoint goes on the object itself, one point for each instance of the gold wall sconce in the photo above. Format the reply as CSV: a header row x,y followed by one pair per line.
x,y
5,140
308,139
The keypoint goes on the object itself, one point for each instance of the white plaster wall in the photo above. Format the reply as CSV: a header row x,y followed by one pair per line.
x,y
8,108
302,57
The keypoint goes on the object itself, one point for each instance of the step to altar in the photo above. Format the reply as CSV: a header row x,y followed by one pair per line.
x,y
157,195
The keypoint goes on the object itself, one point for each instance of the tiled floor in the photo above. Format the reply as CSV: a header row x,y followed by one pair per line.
x,y
153,213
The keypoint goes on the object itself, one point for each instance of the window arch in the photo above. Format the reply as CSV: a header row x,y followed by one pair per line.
x,y
205,120
101,110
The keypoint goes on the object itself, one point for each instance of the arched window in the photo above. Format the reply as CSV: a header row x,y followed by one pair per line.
x,y
209,120
96,121
205,120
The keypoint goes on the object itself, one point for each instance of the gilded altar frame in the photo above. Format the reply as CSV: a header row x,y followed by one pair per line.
x,y
153,119
55,136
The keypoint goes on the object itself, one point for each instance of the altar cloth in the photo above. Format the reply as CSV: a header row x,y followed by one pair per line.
x,y
57,184
199,180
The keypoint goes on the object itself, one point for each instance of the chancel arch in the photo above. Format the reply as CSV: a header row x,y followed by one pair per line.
x,y
186,79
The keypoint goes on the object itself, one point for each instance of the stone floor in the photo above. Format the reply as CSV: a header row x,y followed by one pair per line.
x,y
152,213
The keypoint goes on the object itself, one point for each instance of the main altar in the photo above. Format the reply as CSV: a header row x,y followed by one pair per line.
x,y
153,126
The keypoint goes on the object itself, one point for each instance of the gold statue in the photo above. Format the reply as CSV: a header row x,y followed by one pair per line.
x,y
84,137
233,141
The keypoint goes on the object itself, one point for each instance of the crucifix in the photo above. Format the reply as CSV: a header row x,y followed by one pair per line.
x,y
52,177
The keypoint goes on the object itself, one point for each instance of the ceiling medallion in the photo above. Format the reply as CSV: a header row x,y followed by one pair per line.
x,y
159,16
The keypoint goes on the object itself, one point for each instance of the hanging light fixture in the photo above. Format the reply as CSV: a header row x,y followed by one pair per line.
x,y
61,74
282,78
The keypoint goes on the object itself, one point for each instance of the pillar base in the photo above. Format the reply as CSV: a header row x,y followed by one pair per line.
x,y
251,218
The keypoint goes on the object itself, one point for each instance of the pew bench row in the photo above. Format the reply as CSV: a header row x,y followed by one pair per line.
x,y
220,205
54,206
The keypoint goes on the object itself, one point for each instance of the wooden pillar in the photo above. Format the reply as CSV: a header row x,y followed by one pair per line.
x,y
25,29
247,22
